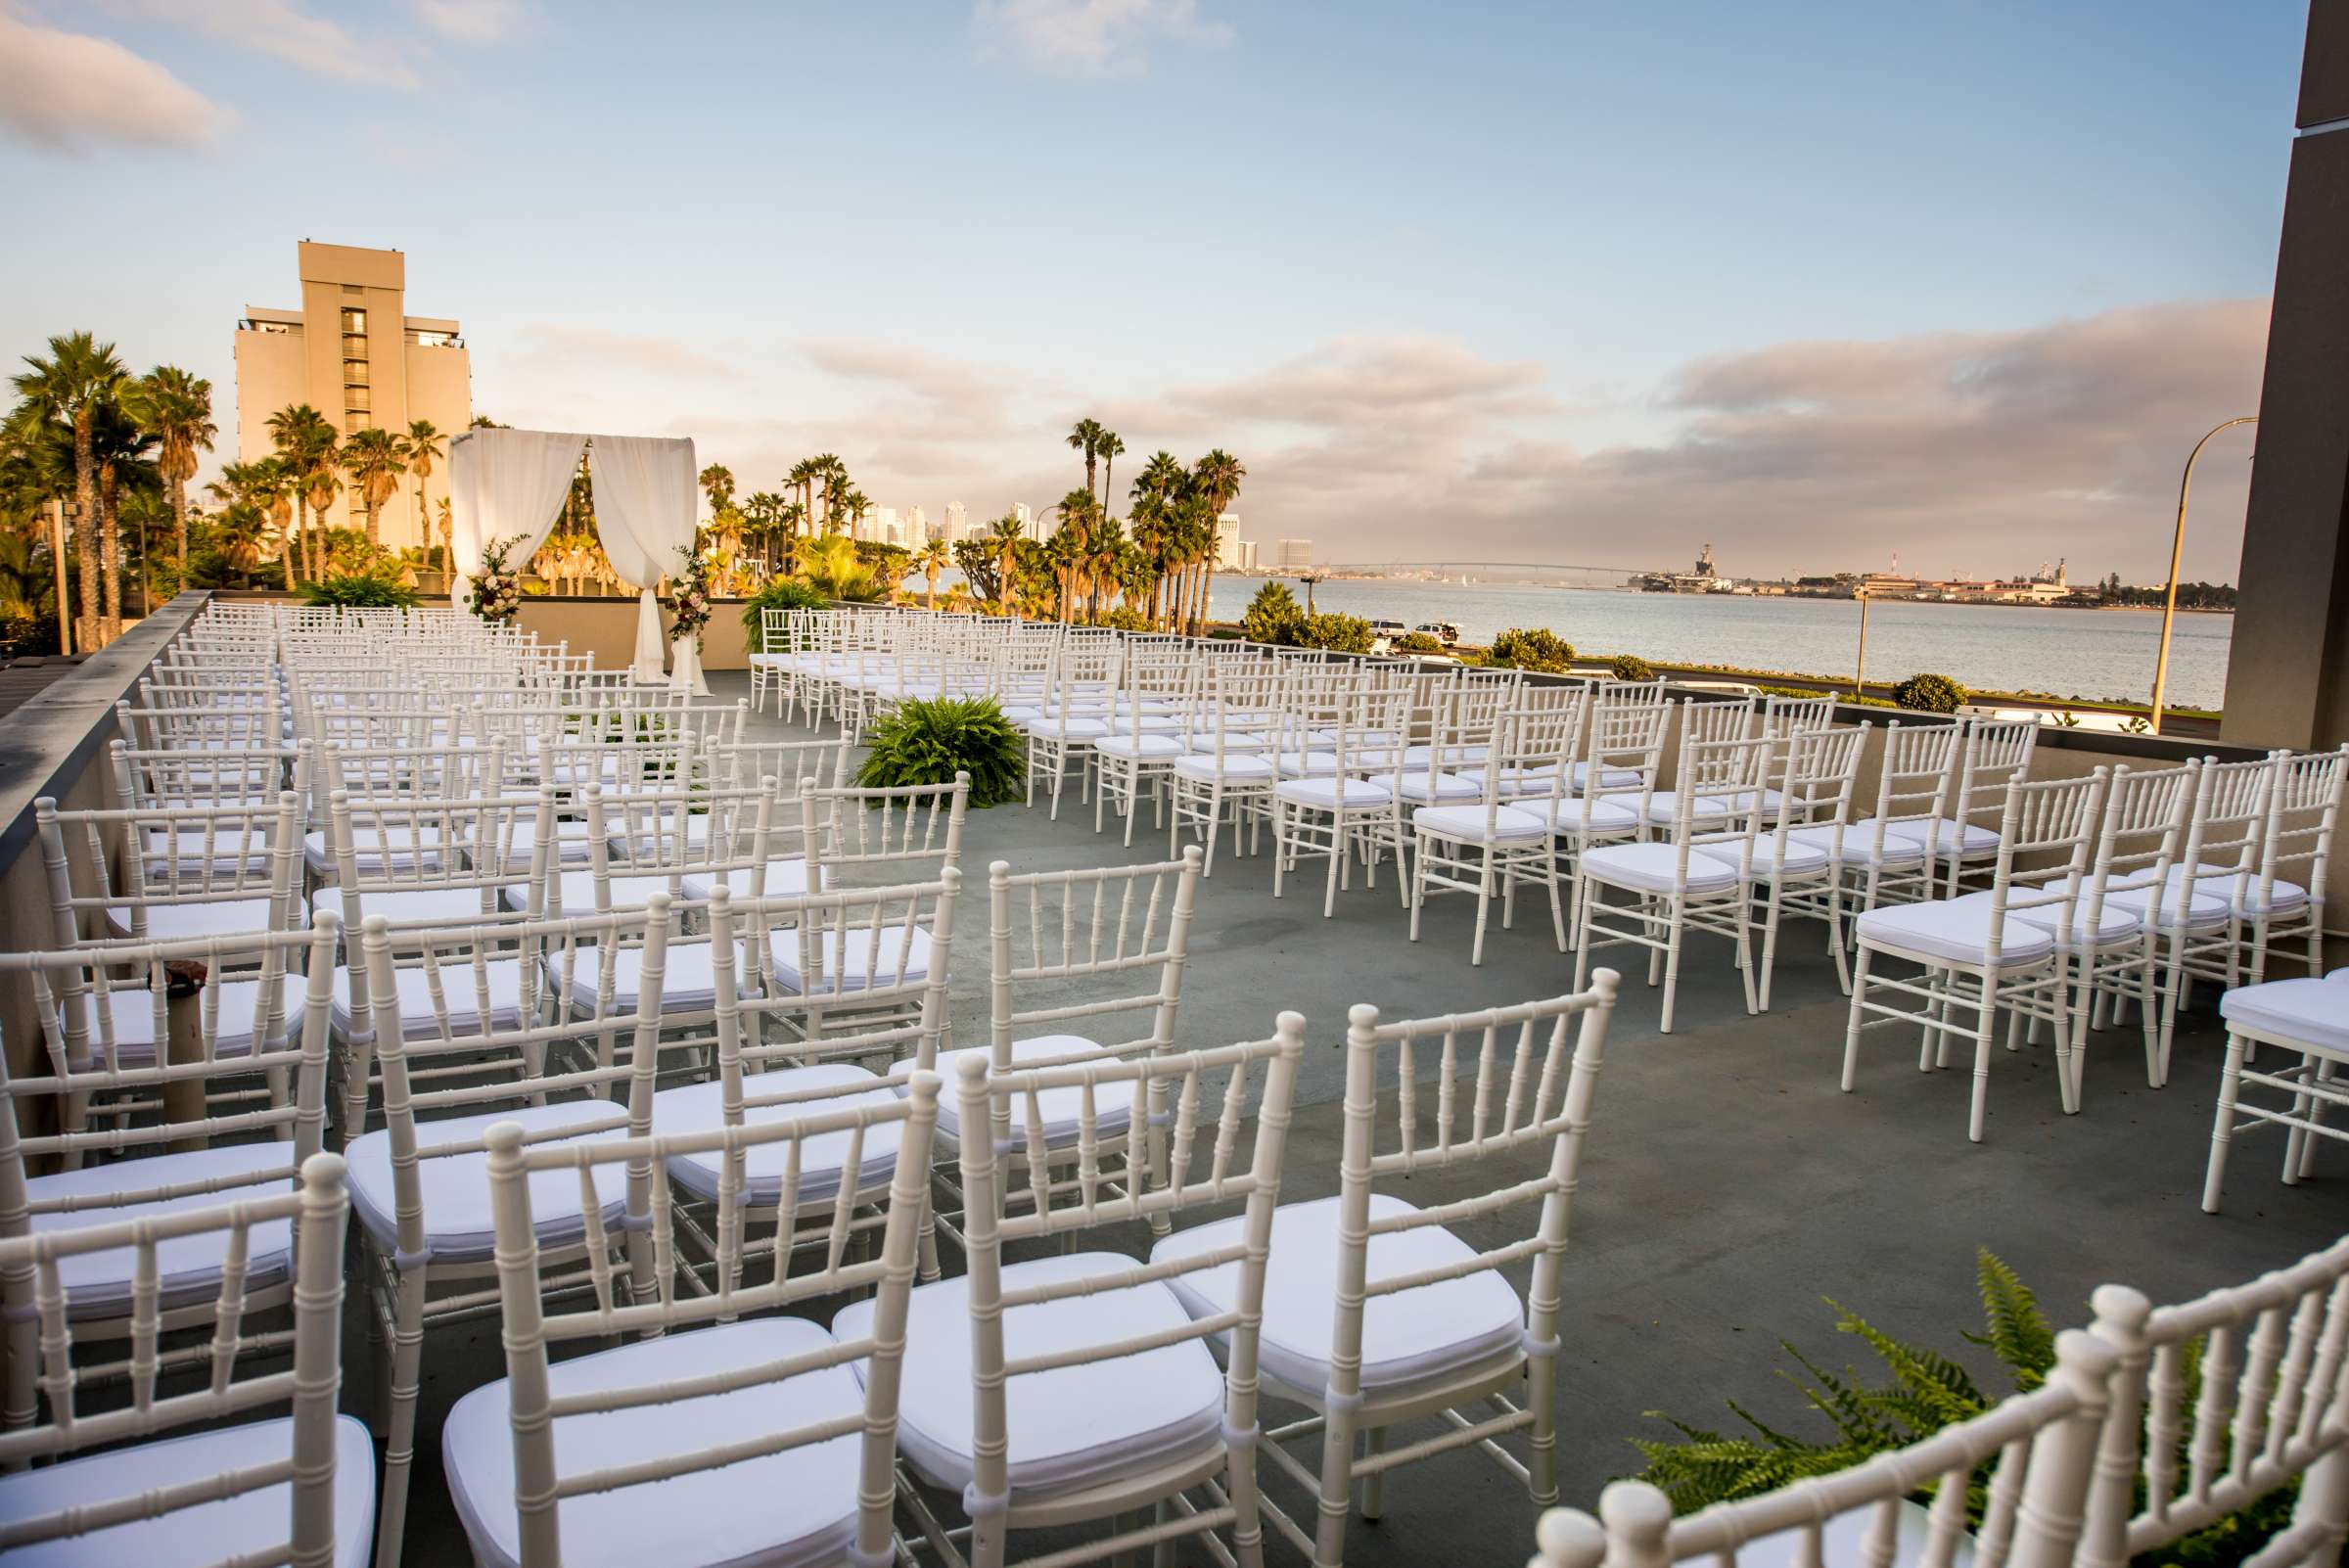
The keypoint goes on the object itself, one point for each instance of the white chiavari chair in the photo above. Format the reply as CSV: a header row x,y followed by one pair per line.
x,y
1377,1312
1995,756
226,1110
2218,1403
1980,955
774,1438
1323,804
1788,874
206,871
238,1487
1718,796
2307,1019
2040,1447
1226,763
2116,942
1074,1386
1484,845
1887,856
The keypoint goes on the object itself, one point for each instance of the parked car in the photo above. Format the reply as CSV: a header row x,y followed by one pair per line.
x,y
1444,631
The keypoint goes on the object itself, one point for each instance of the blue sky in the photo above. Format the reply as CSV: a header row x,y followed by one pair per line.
x,y
1465,278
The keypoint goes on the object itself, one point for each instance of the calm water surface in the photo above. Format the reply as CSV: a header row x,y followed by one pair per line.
x,y
2095,654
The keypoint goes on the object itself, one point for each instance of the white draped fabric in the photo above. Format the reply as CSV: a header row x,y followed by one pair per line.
x,y
645,499
505,484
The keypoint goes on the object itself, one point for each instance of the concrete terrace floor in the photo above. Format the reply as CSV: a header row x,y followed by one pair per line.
x,y
1728,1184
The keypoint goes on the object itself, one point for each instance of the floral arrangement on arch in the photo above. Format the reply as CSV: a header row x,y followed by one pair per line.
x,y
689,598
496,595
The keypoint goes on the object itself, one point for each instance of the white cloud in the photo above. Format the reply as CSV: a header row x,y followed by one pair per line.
x,y
475,21
283,29
1090,37
592,350
71,90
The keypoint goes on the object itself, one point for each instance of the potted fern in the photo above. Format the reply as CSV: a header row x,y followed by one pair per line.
x,y
930,741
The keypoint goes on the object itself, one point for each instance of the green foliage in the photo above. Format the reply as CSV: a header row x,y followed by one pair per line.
x,y
1930,694
1530,649
1339,634
1123,619
836,571
1418,642
361,591
928,742
1273,616
1631,666
1925,1391
783,593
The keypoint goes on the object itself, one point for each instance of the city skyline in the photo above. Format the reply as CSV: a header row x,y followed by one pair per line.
x,y
1818,288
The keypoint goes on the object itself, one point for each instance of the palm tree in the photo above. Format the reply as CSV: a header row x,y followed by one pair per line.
x,y
176,407
718,483
426,445
37,473
1086,436
932,558
1004,534
122,449
374,458
243,530
1215,481
146,512
306,446
1111,449
856,503
70,386
1079,516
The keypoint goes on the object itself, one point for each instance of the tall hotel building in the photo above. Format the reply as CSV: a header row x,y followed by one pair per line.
x,y
351,352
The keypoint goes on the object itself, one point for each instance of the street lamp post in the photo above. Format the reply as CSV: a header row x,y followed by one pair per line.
x,y
2169,607
1859,672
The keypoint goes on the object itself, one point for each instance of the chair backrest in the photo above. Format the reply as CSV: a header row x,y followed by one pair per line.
x,y
1994,757
1815,771
2142,832
1114,928
2218,1402
1784,717
1915,778
1722,762
529,1329
167,859
178,777
34,1266
1525,1088
2304,804
898,832
2046,834
2044,1443
999,1214
732,765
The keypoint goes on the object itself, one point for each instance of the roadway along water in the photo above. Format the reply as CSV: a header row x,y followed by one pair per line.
x,y
2095,653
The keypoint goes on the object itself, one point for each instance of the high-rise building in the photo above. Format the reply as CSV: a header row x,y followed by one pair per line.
x,y
1295,555
353,353
918,526
958,523
1027,521
1247,555
1227,542
887,529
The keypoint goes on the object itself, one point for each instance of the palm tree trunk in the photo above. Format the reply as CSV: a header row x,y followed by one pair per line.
x,y
57,563
179,516
85,531
109,551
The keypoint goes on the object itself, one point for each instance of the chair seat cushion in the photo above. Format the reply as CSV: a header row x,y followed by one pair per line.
x,y
1305,764
1437,789
1800,859
1609,778
98,1285
210,917
701,1108
373,849
455,1188
1508,825
247,1527
1052,728
689,980
1968,841
1565,814
574,894
1238,769
1865,843
460,992
1654,867
899,957
2115,923
1663,806
2238,891
1955,929
1326,793
785,879
413,907
792,1509
1412,1340
1060,1108
132,1013
2305,1011
1152,747
1461,756
2205,909
1074,1426
1525,779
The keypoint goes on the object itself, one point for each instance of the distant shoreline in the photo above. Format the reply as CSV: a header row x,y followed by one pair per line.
x,y
1758,598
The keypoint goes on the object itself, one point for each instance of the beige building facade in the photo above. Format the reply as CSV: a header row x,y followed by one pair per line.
x,y
353,354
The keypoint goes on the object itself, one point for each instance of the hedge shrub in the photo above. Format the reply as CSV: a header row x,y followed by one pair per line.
x,y
1930,694
1534,648
1631,666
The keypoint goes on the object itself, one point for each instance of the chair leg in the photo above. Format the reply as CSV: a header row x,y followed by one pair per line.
x,y
1337,863
2316,1116
1675,918
1337,1489
1418,888
1375,1485
399,1444
2222,1126
1850,1029
2295,1138
1985,1014
1484,904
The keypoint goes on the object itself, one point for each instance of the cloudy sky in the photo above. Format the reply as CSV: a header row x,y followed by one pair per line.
x,y
1568,281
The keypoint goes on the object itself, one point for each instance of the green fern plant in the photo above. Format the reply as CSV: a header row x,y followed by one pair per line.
x,y
928,742
1922,1392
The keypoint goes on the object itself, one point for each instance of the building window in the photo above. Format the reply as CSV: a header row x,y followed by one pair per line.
x,y
354,346
356,400
355,287
354,372
436,339
353,319
353,420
